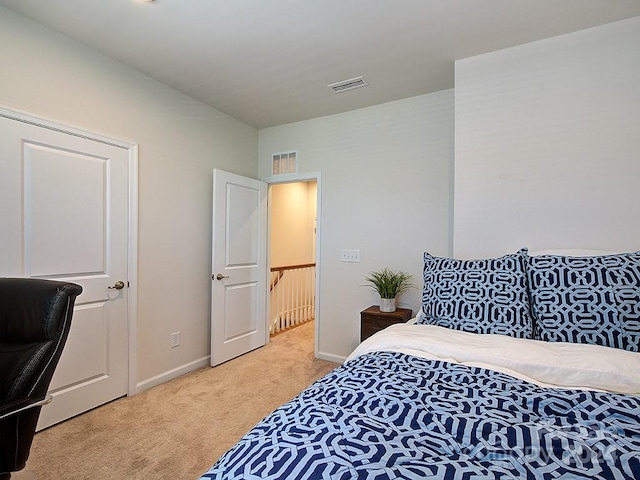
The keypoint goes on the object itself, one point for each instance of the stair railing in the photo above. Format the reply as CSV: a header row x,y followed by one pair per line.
x,y
292,291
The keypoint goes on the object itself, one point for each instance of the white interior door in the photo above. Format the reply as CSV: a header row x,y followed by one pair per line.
x,y
64,217
238,291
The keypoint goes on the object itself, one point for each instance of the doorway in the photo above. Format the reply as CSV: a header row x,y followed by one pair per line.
x,y
293,240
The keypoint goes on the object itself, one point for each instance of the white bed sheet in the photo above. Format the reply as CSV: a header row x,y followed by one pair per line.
x,y
548,364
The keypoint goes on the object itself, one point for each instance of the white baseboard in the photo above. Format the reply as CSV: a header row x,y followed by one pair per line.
x,y
330,357
173,373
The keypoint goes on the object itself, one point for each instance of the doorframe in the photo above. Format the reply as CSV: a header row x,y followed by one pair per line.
x,y
294,178
132,220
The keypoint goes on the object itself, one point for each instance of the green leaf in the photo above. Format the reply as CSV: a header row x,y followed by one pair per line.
x,y
389,284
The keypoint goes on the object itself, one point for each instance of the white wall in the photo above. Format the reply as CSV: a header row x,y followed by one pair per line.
x,y
292,209
385,189
548,143
180,142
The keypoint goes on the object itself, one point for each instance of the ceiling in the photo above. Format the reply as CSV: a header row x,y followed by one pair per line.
x,y
268,62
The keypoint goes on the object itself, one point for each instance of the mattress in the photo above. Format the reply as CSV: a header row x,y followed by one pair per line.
x,y
418,401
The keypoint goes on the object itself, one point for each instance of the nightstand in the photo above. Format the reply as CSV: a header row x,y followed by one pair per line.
x,y
372,320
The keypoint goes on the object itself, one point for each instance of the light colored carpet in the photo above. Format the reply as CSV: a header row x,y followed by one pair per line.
x,y
177,430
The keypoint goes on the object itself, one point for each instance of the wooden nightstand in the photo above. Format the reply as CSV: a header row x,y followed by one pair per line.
x,y
372,320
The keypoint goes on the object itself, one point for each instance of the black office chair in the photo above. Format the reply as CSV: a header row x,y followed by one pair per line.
x,y
35,317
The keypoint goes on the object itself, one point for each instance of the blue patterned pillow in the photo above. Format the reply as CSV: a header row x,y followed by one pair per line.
x,y
478,296
587,299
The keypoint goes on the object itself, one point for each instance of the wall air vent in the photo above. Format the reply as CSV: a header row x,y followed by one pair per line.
x,y
350,84
284,162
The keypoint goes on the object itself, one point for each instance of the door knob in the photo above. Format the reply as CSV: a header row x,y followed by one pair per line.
x,y
221,276
119,285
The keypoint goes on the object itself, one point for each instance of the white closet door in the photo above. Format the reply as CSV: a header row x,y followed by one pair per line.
x,y
64,217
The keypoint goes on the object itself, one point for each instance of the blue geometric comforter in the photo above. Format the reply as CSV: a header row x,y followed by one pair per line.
x,y
387,415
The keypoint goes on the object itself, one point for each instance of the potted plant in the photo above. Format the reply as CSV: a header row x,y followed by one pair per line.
x,y
389,285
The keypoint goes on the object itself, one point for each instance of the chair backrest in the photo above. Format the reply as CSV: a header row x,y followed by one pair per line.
x,y
35,318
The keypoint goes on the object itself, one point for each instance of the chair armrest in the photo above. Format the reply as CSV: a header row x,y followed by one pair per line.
x,y
20,404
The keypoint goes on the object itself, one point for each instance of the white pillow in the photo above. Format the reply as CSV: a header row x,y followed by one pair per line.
x,y
572,252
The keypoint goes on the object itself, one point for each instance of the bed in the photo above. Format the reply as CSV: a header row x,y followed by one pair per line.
x,y
516,367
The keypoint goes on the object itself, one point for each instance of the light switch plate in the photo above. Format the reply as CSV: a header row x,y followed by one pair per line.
x,y
350,255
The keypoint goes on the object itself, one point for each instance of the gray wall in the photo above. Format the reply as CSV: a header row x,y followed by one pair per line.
x,y
385,189
180,142
548,143
546,139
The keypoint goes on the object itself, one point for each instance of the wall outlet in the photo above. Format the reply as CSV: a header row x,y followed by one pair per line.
x,y
175,339
350,256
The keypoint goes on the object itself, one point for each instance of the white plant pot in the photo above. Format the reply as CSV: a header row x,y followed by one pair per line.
x,y
387,304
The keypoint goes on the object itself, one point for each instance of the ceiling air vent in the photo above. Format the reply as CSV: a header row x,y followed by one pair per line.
x,y
350,84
